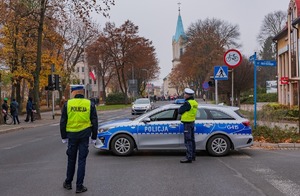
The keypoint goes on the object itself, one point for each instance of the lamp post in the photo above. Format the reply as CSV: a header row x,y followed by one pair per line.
x,y
146,80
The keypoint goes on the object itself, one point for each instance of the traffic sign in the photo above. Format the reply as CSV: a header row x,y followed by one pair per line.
x,y
265,63
205,85
232,58
284,80
221,73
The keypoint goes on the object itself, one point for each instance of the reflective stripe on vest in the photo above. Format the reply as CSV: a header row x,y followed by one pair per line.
x,y
78,111
190,116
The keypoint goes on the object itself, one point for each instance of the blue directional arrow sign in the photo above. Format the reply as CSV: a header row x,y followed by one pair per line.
x,y
265,63
221,73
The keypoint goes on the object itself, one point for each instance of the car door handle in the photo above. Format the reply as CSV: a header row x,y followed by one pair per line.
x,y
173,125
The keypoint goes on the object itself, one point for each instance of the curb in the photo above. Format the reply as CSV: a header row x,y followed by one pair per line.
x,y
295,146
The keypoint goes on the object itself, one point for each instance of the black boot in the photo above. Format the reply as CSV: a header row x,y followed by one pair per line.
x,y
67,186
185,161
81,189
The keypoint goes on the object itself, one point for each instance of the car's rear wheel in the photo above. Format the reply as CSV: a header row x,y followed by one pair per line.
x,y
122,145
218,145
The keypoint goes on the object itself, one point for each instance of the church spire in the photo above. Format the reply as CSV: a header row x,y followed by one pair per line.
x,y
179,28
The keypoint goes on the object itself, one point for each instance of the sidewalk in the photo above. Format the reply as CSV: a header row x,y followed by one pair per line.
x,y
46,119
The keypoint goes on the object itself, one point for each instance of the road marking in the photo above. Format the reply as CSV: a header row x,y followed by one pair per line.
x,y
285,186
11,147
52,125
240,175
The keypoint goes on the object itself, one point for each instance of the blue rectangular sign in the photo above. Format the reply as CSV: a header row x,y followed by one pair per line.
x,y
265,63
221,73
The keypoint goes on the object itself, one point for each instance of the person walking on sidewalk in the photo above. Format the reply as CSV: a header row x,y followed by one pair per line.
x,y
188,113
79,122
14,110
4,107
29,110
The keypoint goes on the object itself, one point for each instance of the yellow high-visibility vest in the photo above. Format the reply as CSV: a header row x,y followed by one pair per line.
x,y
190,116
78,111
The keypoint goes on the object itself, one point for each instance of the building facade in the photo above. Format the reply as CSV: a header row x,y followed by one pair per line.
x,y
287,45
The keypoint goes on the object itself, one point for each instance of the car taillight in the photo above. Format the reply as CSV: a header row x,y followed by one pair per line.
x,y
246,123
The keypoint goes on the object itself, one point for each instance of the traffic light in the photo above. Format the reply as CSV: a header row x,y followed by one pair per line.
x,y
211,83
57,82
50,83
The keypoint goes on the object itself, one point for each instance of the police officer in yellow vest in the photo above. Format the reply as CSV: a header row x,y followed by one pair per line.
x,y
79,122
188,113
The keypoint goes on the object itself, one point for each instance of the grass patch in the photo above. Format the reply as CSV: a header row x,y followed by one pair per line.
x,y
112,107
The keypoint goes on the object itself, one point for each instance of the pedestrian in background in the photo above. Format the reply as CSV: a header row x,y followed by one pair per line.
x,y
29,110
188,113
79,122
4,107
204,98
14,110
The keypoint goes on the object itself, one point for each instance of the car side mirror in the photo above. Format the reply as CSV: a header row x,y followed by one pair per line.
x,y
146,120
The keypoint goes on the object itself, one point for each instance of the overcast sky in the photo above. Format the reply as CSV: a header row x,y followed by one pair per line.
x,y
157,21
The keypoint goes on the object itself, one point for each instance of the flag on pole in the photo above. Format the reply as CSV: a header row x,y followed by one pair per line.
x,y
92,75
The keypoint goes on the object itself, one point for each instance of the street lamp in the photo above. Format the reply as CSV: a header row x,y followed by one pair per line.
x,y
145,80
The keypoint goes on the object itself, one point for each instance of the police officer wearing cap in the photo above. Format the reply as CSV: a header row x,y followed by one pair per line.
x,y
188,113
79,122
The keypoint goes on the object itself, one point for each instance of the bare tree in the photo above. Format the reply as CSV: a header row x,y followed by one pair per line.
x,y
272,24
207,41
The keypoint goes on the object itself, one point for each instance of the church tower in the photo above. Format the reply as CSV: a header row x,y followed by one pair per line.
x,y
179,40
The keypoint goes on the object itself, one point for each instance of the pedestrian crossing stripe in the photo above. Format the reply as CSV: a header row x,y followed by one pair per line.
x,y
221,73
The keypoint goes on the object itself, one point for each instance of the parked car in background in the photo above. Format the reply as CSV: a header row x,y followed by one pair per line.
x,y
141,106
218,129
179,101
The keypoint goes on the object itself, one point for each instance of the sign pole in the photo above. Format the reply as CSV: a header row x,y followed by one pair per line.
x,y
255,90
232,88
216,91
53,102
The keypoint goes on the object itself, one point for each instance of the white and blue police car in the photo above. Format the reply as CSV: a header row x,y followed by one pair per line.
x,y
218,129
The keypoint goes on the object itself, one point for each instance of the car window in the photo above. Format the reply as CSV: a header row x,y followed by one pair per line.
x,y
142,101
219,115
201,114
164,115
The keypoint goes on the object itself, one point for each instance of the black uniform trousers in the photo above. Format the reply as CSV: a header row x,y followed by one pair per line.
x,y
189,140
76,146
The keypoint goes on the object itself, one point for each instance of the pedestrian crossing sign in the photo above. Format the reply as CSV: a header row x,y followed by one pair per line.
x,y
221,73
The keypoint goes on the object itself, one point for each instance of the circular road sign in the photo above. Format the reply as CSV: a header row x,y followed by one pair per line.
x,y
205,85
232,58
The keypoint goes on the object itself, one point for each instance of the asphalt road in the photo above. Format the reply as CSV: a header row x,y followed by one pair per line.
x,y
33,162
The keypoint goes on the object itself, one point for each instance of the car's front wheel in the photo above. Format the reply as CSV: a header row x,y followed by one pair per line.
x,y
122,145
218,145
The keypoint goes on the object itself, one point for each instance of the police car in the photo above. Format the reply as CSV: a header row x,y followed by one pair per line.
x,y
218,129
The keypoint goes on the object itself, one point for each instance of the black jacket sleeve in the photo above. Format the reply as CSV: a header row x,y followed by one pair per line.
x,y
63,122
94,121
185,107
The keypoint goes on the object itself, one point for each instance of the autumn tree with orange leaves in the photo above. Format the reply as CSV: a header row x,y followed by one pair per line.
x,y
40,16
122,52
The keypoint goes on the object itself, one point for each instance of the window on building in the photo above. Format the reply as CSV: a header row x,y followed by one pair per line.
x,y
82,69
77,69
90,81
83,81
95,82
